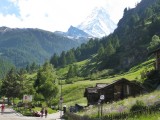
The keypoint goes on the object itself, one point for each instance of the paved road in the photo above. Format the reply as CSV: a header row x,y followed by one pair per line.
x,y
10,114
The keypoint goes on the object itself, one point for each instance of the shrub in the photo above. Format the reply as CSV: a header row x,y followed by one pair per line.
x,y
69,81
139,105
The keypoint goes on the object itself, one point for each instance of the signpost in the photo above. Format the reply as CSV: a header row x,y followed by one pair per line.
x,y
27,98
61,100
102,97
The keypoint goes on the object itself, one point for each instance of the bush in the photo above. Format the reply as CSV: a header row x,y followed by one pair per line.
x,y
20,104
139,105
69,81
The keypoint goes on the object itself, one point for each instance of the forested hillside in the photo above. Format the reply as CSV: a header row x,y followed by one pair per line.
x,y
136,35
5,66
24,46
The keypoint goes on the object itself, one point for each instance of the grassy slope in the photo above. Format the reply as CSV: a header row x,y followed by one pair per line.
x,y
125,105
73,93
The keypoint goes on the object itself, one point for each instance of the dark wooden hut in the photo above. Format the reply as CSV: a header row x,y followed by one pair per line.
x,y
114,91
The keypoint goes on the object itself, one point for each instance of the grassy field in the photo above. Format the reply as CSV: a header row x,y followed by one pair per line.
x,y
73,93
124,105
154,116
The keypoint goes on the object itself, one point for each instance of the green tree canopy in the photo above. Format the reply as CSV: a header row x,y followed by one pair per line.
x,y
155,42
11,85
45,83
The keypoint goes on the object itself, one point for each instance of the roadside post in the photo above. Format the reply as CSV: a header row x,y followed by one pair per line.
x,y
101,99
61,101
99,102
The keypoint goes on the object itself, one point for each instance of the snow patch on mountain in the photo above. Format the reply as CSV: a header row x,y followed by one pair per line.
x,y
98,23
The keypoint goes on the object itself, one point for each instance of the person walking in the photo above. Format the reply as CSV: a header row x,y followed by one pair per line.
x,y
2,108
46,112
42,112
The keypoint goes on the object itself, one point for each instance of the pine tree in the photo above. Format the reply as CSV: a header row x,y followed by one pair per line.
x,y
25,86
63,59
101,51
70,57
109,50
33,67
54,60
45,83
70,73
78,53
10,85
28,69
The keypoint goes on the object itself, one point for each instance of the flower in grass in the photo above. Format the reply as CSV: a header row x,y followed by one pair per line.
x,y
150,100
121,109
152,97
112,107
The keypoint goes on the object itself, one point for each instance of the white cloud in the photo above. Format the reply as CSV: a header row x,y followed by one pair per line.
x,y
116,7
60,14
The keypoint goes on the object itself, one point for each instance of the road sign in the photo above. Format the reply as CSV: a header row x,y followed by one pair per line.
x,y
102,97
27,98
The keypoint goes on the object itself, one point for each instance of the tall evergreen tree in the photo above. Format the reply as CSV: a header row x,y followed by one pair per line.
x,y
25,85
72,72
10,85
70,57
45,83
62,59
54,60
109,50
33,67
101,51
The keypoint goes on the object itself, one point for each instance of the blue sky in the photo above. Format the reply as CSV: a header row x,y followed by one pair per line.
x,y
55,15
7,7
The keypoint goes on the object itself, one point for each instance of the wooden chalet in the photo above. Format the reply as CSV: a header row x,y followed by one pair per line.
x,y
157,62
114,91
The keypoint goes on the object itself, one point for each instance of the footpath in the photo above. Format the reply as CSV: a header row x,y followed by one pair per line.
x,y
10,114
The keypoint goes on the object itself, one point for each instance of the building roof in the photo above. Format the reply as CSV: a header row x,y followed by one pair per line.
x,y
92,90
116,82
106,85
101,85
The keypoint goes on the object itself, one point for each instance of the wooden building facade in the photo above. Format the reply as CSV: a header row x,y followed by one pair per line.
x,y
117,90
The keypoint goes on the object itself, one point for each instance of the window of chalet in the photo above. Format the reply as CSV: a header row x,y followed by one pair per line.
x,y
117,92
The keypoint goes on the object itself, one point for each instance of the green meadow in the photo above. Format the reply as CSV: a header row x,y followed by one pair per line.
x,y
73,93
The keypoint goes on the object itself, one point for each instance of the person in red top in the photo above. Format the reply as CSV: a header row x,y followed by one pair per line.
x,y
2,108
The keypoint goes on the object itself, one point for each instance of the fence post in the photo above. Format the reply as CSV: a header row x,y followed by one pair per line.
x,y
101,110
98,110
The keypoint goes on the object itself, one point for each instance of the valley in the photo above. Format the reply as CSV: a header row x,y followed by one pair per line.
x,y
64,68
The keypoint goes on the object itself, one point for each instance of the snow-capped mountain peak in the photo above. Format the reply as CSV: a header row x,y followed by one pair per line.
x,y
98,23
75,32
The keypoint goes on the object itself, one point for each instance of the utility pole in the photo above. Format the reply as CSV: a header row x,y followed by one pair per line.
x,y
61,101
102,97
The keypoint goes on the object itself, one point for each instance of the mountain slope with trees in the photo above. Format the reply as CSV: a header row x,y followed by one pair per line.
x,y
137,34
24,46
